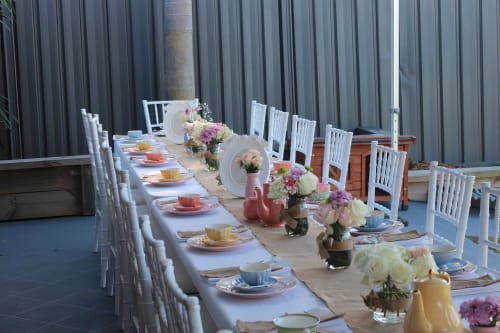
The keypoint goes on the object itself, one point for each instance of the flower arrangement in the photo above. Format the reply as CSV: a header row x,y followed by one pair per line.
x,y
481,312
321,193
295,182
251,161
197,113
390,268
210,133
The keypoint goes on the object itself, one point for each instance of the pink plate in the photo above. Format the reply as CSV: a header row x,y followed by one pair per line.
x,y
198,242
282,284
182,208
150,163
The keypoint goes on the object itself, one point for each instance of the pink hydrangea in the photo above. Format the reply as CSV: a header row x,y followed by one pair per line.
x,y
340,198
481,312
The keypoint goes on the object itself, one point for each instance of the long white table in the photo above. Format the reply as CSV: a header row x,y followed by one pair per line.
x,y
224,309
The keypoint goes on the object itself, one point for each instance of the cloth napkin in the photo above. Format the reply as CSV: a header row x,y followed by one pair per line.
x,y
481,281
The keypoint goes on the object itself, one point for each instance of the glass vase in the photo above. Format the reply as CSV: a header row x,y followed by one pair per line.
x,y
296,217
388,302
212,157
339,247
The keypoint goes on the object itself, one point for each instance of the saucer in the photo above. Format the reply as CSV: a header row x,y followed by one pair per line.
x,y
202,243
210,242
282,284
381,227
241,285
458,266
182,208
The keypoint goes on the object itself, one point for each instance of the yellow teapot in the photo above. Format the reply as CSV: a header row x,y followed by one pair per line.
x,y
432,309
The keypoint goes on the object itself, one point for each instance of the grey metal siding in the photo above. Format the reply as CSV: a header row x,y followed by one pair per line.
x,y
327,60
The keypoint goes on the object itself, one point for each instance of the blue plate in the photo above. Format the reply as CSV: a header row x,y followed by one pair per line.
x,y
458,266
241,285
382,226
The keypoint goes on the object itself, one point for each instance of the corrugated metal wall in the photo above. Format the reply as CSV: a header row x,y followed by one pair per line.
x,y
103,55
329,60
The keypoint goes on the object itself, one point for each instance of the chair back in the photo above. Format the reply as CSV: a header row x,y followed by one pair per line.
x,y
336,156
302,139
489,226
175,311
154,112
141,303
97,202
257,119
276,134
449,197
386,173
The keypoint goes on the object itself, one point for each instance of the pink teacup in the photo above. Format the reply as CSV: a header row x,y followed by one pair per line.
x,y
157,157
189,200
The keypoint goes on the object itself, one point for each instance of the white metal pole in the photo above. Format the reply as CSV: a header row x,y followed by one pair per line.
x,y
395,76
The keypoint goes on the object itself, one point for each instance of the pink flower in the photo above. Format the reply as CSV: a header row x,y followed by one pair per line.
x,y
481,312
344,216
340,198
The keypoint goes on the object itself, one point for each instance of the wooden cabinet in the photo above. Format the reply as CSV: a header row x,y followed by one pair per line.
x,y
359,164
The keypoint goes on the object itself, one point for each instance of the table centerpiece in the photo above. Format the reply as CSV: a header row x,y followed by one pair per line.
x,y
389,270
294,186
482,314
251,162
338,213
211,135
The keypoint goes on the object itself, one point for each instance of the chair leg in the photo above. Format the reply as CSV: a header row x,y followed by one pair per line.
x,y
96,231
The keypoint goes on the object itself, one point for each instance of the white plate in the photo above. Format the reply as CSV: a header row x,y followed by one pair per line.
x,y
232,176
198,243
173,121
283,283
171,208
386,224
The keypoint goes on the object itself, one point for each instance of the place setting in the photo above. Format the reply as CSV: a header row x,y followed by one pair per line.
x,y
167,177
188,204
255,280
376,223
155,159
132,137
143,147
219,237
447,261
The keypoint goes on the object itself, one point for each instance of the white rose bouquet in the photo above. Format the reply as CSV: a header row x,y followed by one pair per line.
x,y
389,268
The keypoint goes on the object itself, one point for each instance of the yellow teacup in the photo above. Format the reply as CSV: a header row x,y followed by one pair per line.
x,y
170,173
145,145
218,231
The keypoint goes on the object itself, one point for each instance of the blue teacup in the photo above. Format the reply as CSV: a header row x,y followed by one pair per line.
x,y
134,134
255,273
375,219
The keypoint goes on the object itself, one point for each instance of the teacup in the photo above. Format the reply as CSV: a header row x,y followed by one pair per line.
x,y
218,231
155,156
170,173
255,273
443,253
375,219
144,145
135,134
189,200
296,323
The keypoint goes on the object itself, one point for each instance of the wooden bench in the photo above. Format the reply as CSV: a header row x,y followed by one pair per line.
x,y
46,187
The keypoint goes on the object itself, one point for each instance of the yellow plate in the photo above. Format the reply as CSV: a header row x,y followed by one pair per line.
x,y
210,242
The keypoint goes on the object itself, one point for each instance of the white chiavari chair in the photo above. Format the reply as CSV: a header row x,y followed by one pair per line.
x,y
386,174
97,202
276,135
142,317
449,198
257,119
302,139
336,156
154,110
487,222
175,311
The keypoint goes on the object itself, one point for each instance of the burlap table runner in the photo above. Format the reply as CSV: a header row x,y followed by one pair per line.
x,y
341,290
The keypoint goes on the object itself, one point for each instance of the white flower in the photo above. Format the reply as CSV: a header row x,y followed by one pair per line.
x,y
422,264
307,183
401,273
359,210
378,269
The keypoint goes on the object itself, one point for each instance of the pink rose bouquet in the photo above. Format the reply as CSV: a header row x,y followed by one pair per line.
x,y
251,161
